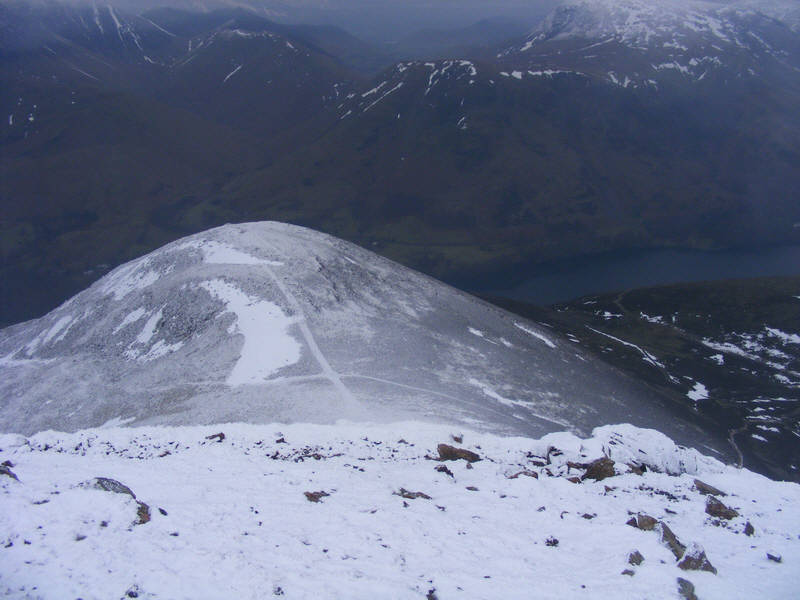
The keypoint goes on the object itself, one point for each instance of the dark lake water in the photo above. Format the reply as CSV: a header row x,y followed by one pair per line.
x,y
563,281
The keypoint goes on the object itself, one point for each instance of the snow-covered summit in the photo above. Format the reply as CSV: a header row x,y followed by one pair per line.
x,y
266,322
641,40
638,23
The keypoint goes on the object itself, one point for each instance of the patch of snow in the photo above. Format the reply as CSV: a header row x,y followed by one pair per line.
x,y
648,358
128,278
161,29
535,334
657,319
232,73
55,329
131,317
374,90
698,392
217,253
718,358
395,88
267,345
149,329
786,338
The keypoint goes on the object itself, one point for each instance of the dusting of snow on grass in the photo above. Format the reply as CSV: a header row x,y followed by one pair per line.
x,y
128,278
267,346
335,511
217,253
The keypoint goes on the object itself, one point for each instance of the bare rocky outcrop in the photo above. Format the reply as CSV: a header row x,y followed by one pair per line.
x,y
715,508
708,490
447,452
600,469
107,484
315,496
686,589
695,559
635,558
404,493
5,469
670,540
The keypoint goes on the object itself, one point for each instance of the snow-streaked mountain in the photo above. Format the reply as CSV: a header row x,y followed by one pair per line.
x,y
237,518
269,322
639,42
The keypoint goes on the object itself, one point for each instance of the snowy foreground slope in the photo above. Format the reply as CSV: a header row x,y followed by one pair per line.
x,y
267,322
242,516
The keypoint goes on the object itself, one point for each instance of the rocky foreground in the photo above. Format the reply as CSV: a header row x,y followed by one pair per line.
x,y
404,511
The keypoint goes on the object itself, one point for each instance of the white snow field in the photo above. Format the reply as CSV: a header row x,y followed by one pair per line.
x,y
229,518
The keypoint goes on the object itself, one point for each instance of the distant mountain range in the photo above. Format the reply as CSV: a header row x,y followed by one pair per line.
x,y
612,125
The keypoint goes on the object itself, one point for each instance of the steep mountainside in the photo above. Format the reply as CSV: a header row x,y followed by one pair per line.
x,y
729,349
118,131
269,322
462,168
617,125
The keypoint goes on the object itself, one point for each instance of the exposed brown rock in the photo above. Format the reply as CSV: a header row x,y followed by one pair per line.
x,y
670,540
112,485
447,452
142,513
686,589
715,508
707,490
749,529
635,558
600,469
643,522
628,572
217,436
635,469
575,479
404,493
445,470
695,559
315,496
4,470
472,488
526,473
